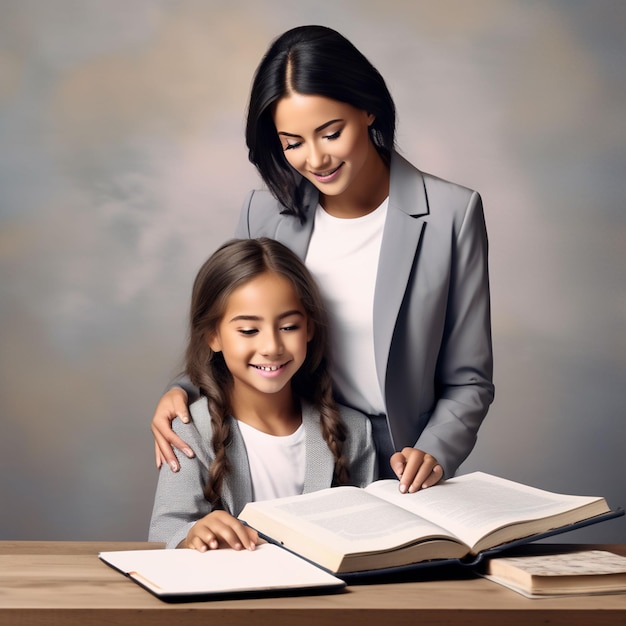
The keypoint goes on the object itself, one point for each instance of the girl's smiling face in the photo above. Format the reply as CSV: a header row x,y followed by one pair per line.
x,y
263,335
326,141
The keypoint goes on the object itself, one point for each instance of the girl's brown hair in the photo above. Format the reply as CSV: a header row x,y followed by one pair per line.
x,y
231,266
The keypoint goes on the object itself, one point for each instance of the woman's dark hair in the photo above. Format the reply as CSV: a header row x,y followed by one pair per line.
x,y
311,60
231,266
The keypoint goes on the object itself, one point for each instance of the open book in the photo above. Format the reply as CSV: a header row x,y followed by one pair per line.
x,y
348,529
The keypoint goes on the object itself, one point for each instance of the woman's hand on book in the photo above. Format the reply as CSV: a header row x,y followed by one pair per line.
x,y
220,529
172,404
416,469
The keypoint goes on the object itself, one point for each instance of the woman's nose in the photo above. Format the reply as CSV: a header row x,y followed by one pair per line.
x,y
316,158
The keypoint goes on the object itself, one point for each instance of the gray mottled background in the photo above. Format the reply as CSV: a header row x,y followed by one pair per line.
x,y
123,165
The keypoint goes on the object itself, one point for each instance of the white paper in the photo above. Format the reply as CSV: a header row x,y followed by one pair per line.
x,y
188,572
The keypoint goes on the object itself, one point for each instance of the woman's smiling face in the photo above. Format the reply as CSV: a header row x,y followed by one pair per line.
x,y
325,140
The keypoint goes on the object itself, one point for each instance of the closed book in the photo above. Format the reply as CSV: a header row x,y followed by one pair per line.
x,y
566,573
183,574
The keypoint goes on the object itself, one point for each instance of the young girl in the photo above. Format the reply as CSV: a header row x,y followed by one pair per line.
x,y
400,256
266,424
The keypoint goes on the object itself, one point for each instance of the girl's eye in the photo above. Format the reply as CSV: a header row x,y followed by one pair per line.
x,y
248,331
290,327
292,146
335,135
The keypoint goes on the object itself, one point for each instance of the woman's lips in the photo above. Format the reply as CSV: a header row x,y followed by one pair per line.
x,y
329,176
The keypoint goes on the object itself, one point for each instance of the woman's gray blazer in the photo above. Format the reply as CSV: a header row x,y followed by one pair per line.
x,y
432,326
179,501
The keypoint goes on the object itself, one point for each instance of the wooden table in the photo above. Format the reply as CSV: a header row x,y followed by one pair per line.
x,y
64,583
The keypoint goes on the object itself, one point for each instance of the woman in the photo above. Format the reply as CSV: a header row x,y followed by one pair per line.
x,y
400,256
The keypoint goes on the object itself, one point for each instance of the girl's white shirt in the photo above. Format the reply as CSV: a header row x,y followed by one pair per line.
x,y
277,464
343,258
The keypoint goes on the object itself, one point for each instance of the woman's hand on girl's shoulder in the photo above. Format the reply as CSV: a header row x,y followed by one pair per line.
x,y
172,404
416,469
220,529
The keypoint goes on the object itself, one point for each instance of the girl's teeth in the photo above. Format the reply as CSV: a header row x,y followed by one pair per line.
x,y
266,368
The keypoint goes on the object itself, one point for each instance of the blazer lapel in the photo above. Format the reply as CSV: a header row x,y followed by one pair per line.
x,y
319,463
237,486
408,203
401,237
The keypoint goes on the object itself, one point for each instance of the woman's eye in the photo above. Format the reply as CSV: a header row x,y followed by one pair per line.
x,y
292,146
335,135
290,327
248,331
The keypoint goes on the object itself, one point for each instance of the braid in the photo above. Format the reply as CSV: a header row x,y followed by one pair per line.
x,y
214,383
220,439
333,428
341,474
334,433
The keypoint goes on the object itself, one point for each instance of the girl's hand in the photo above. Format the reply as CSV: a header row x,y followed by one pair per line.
x,y
173,404
415,469
220,529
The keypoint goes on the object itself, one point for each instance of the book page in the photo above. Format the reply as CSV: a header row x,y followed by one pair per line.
x,y
474,505
348,519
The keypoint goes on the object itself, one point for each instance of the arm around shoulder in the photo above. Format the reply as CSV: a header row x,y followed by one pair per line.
x,y
183,382
179,499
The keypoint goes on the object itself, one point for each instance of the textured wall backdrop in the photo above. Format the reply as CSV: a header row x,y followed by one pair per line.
x,y
123,165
